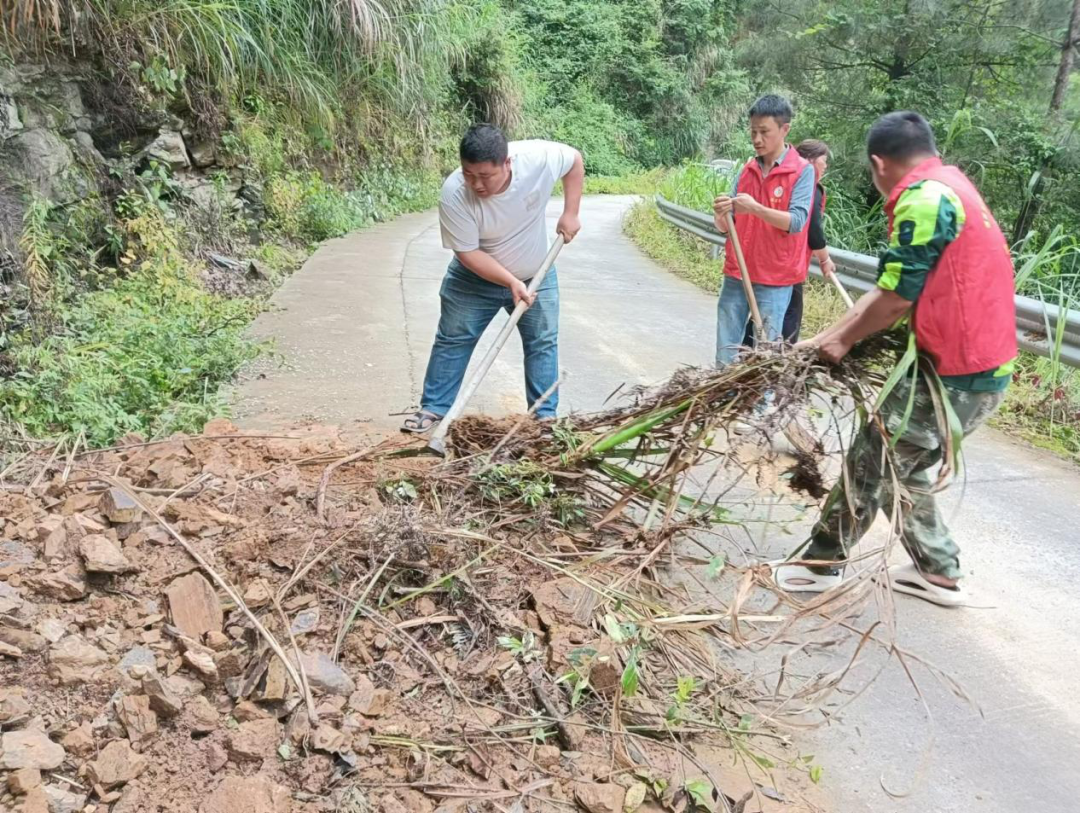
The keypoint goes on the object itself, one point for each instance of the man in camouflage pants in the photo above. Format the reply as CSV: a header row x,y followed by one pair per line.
x,y
948,266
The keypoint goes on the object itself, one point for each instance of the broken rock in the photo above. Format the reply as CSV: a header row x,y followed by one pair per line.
x,y
10,598
30,749
13,706
598,798
64,801
247,711
163,700
56,545
256,739
138,718
329,739
203,663
37,801
116,765
13,554
52,630
9,651
256,794
216,757
326,676
138,656
24,639
24,780
73,660
204,717
231,663
79,741
195,607
118,507
258,594
217,641
100,555
277,681
68,584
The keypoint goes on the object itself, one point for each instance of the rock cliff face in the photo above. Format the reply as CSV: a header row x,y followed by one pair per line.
x,y
46,142
62,139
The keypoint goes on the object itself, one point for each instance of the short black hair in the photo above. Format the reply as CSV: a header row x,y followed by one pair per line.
x,y
901,136
483,143
772,105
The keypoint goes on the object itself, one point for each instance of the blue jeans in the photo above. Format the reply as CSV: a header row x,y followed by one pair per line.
x,y
469,303
733,311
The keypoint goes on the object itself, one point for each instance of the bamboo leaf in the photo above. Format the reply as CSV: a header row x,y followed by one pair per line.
x,y
630,676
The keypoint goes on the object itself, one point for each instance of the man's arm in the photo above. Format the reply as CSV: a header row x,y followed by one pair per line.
x,y
484,265
926,219
461,235
573,184
876,311
791,221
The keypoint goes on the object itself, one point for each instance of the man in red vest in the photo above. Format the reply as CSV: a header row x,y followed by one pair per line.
x,y
771,206
948,266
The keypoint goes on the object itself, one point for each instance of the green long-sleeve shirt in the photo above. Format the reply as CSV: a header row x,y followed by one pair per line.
x,y
928,216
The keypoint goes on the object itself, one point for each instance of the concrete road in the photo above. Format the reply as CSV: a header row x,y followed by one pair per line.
x,y
354,328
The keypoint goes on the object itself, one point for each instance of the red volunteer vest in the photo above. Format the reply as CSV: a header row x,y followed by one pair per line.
x,y
965,317
773,257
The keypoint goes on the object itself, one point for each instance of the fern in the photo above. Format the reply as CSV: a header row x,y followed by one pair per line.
x,y
39,248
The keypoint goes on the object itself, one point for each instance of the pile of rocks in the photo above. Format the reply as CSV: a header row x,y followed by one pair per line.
x,y
132,682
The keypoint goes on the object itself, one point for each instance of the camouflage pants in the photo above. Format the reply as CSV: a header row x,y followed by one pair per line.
x,y
850,512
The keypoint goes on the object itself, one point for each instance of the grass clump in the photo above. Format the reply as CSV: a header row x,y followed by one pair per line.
x,y
145,354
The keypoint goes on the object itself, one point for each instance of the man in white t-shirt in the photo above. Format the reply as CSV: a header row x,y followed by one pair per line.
x,y
492,217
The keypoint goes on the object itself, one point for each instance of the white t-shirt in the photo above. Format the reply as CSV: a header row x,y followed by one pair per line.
x,y
510,227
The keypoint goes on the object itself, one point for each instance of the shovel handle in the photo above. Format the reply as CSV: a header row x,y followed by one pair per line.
x,y
840,289
748,287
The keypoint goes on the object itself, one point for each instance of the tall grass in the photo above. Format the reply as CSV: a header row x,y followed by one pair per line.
x,y
696,185
316,54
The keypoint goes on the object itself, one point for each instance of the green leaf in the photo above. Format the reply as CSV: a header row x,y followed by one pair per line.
x,y
716,565
816,772
285,751
701,792
630,677
684,688
509,642
614,629
763,761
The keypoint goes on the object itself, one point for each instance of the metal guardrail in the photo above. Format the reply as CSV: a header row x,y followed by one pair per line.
x,y
1035,320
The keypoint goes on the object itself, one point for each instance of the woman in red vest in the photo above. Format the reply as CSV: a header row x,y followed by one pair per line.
x,y
771,207
948,266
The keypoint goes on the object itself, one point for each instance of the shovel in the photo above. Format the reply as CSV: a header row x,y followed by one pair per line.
x,y
437,443
748,287
796,435
844,295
